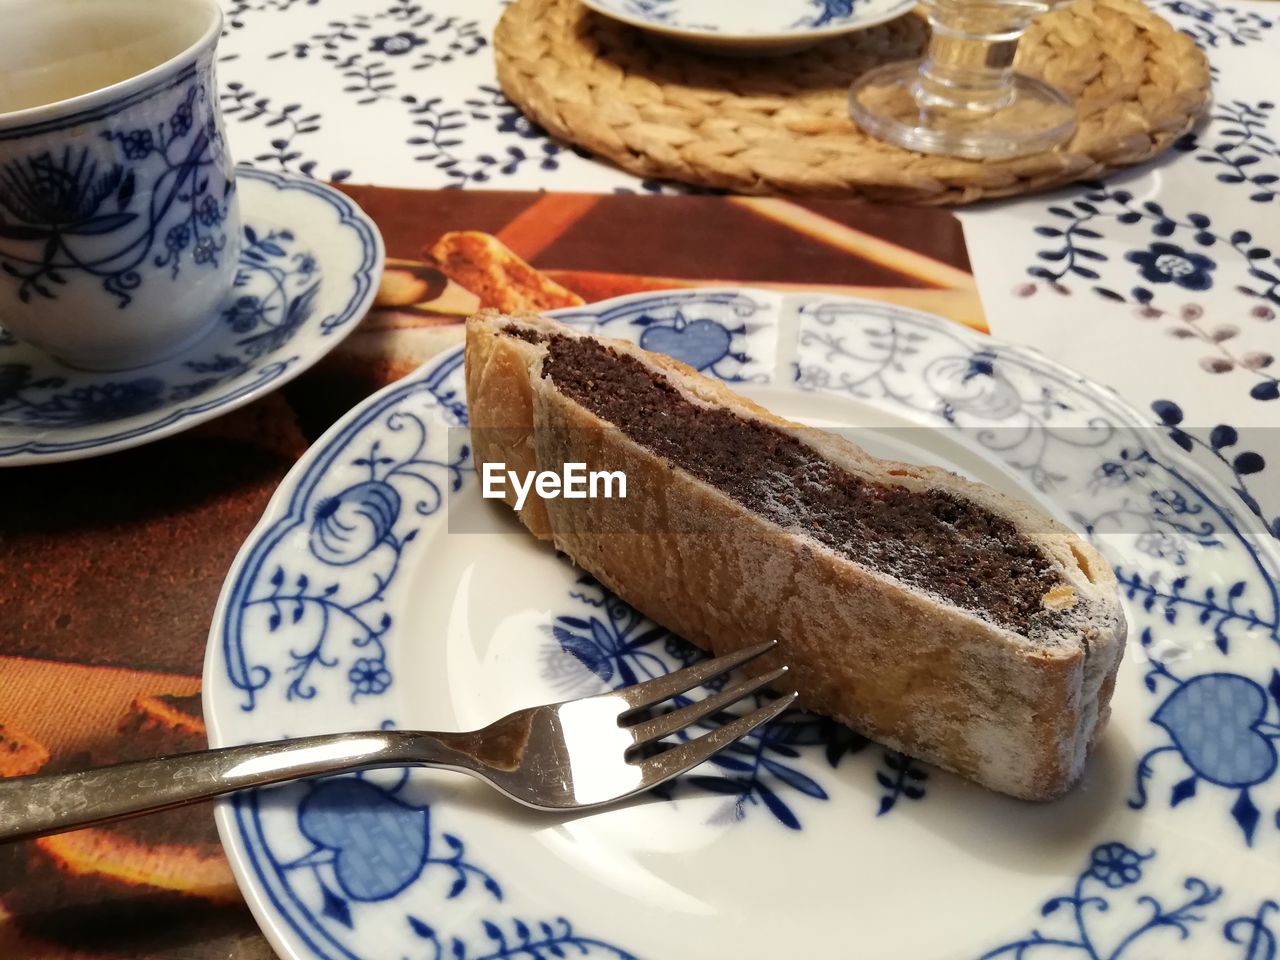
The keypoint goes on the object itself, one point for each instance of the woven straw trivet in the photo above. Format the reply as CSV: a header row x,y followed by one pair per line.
x,y
780,125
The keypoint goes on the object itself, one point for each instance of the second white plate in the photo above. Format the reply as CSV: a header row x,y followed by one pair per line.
x,y
751,27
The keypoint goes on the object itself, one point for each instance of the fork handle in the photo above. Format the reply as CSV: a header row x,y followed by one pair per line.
x,y
51,803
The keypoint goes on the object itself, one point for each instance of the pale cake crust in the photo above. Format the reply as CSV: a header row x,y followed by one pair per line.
x,y
1015,713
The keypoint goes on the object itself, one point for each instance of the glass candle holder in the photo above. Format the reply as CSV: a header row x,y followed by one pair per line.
x,y
963,98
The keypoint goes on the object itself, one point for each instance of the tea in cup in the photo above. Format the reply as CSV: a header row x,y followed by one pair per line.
x,y
119,228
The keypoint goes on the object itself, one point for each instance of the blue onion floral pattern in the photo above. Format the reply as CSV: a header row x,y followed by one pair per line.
x,y
828,13
286,303
1222,728
1116,865
369,676
367,843
147,196
275,287
651,11
336,606
719,333
1076,926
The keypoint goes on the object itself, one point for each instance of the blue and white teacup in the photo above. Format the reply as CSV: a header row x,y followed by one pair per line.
x,y
118,220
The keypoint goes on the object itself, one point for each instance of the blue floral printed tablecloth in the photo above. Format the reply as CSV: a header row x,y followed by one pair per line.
x,y
1164,283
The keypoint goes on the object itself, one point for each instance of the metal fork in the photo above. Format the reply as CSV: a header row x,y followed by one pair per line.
x,y
564,756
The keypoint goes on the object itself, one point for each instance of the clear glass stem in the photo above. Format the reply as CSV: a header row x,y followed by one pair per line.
x,y
969,63
964,99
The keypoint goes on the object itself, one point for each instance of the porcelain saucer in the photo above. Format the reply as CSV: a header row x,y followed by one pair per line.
x,y
751,27
309,266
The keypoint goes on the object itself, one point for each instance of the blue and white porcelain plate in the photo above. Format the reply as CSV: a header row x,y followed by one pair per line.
x,y
309,266
380,590
751,26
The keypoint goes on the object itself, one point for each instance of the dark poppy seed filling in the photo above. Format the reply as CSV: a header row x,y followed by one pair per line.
x,y
927,539
527,334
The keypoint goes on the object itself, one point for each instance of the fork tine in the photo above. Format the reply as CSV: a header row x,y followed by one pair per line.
x,y
673,762
647,731
646,694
